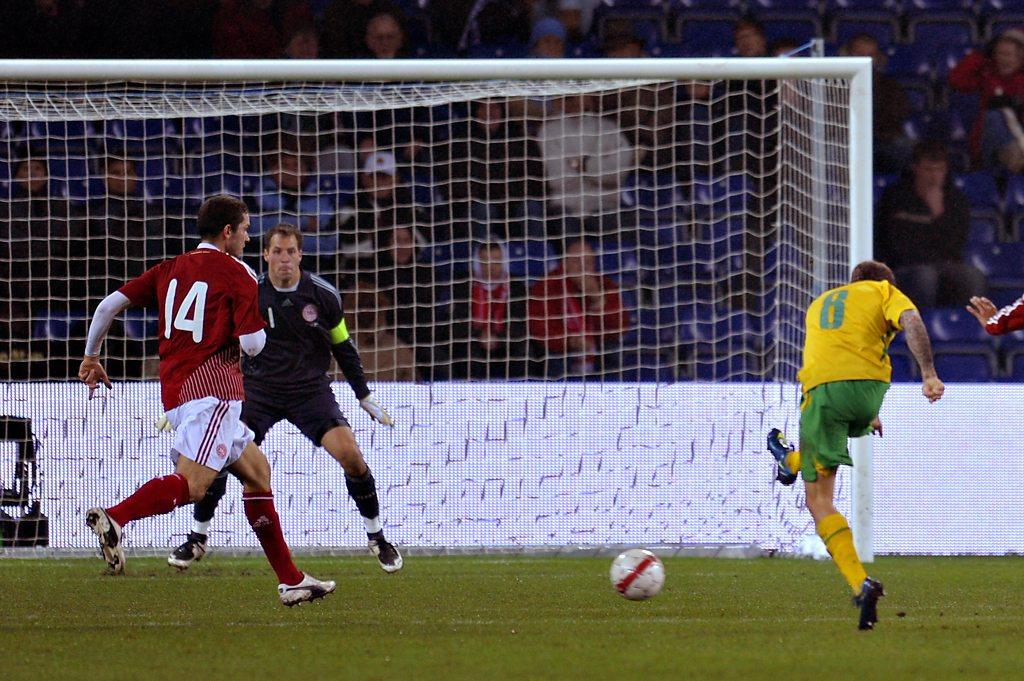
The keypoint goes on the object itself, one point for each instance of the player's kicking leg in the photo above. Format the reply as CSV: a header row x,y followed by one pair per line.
x,y
253,469
193,548
787,459
835,532
340,442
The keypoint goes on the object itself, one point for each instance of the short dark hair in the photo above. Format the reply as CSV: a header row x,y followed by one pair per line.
x,y
872,270
748,21
930,149
218,211
282,229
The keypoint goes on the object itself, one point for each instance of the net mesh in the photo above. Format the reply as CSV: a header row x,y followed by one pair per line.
x,y
613,233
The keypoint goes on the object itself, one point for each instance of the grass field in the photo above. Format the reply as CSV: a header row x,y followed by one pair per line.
x,y
497,618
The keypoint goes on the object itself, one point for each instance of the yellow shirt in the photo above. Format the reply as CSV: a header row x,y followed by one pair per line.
x,y
848,333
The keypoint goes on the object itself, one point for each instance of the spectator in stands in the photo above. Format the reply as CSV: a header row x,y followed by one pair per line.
x,y
38,237
890,108
576,315
488,328
646,114
748,38
303,43
577,16
997,75
385,37
252,29
547,39
288,192
344,26
921,230
382,201
490,170
783,47
585,158
409,284
384,355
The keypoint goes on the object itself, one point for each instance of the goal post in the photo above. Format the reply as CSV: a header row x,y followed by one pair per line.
x,y
720,241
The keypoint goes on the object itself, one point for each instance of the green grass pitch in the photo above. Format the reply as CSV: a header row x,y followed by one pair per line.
x,y
501,617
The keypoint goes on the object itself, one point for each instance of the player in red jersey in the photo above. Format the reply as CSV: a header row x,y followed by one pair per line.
x,y
209,307
997,322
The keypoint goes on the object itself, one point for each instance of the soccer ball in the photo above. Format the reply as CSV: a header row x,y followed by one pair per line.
x,y
637,574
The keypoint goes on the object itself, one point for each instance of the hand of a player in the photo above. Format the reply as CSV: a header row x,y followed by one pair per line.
x,y
377,412
982,309
163,425
932,388
91,373
876,426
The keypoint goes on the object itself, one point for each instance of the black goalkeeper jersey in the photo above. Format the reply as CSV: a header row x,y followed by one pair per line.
x,y
297,356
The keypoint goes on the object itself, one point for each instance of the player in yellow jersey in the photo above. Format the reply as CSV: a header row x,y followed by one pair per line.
x,y
845,375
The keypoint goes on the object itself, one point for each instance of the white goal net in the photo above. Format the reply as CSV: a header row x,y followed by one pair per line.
x,y
582,299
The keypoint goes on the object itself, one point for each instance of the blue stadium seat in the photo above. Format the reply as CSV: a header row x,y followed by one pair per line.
x,y
955,366
760,7
706,33
919,92
953,325
721,196
800,25
503,50
620,261
1015,366
984,228
647,22
881,183
904,369
906,61
1001,262
741,366
1001,20
59,326
941,29
151,134
882,25
530,259
981,189
1014,194
70,137
140,324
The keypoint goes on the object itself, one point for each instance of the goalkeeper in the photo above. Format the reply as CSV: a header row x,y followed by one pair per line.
x,y
289,381
845,375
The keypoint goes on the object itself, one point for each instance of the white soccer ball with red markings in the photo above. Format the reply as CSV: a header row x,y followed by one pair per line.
x,y
637,574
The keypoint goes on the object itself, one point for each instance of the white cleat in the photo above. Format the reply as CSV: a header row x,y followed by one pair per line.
x,y
191,551
109,534
306,591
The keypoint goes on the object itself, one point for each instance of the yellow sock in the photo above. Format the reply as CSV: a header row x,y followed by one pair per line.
x,y
793,461
838,538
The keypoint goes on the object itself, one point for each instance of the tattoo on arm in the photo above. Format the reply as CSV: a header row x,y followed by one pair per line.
x,y
917,341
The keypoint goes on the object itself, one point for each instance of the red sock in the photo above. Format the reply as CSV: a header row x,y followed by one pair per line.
x,y
159,495
259,510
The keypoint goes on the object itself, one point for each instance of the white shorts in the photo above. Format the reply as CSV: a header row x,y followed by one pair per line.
x,y
209,432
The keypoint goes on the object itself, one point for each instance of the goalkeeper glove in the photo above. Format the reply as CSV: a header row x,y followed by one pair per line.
x,y
162,424
378,413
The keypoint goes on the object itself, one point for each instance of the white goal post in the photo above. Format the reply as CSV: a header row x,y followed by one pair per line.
x,y
830,223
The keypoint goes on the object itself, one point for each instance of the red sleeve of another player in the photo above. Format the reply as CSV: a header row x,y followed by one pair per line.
x,y
1010,318
247,306
142,290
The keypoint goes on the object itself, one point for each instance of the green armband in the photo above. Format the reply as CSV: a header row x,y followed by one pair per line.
x,y
339,334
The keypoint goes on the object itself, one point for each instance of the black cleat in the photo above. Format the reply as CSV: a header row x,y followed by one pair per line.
x,y
190,552
779,448
388,556
867,601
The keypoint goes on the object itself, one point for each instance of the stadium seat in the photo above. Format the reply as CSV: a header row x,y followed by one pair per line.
x,y
706,33
1014,195
981,189
140,324
798,25
1001,263
530,259
1001,20
904,369
504,50
881,183
941,29
62,137
919,92
954,366
59,326
953,325
646,22
152,135
620,261
1015,366
882,25
741,366
906,61
984,229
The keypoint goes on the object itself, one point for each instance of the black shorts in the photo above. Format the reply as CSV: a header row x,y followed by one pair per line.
x,y
313,413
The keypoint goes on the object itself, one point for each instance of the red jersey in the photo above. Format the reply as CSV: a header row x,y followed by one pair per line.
x,y
207,299
1010,318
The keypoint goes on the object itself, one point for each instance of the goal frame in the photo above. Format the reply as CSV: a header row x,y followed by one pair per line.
x,y
856,69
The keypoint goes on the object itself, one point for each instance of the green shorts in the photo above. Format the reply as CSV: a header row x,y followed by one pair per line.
x,y
830,414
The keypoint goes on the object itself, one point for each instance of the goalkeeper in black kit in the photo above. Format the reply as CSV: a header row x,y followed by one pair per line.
x,y
289,381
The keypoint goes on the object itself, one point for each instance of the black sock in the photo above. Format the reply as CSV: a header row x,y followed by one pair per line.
x,y
205,508
363,491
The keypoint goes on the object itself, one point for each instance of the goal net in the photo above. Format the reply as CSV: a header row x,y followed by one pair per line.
x,y
582,299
